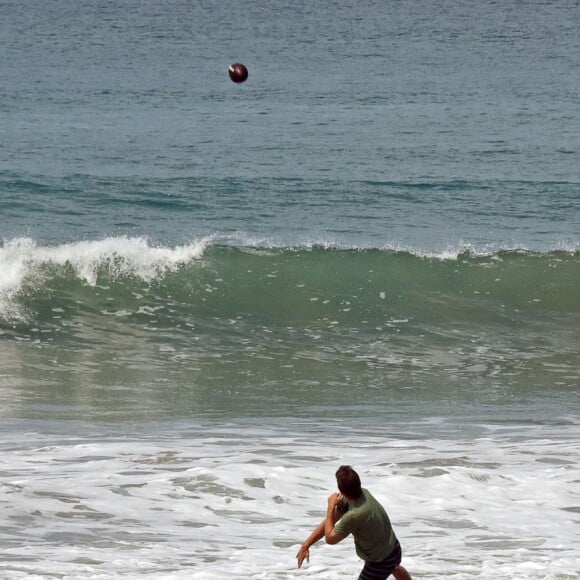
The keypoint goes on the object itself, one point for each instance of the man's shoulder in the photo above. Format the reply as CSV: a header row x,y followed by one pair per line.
x,y
366,498
370,498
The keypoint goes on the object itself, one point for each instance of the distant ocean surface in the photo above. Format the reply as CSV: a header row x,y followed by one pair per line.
x,y
212,295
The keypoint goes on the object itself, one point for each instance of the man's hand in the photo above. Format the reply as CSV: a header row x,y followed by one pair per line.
x,y
303,554
333,500
332,516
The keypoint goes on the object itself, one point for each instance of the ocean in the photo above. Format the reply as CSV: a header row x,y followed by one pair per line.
x,y
214,294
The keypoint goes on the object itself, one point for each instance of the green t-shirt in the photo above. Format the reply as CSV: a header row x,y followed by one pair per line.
x,y
370,526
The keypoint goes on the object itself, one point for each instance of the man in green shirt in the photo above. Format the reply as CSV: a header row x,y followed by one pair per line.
x,y
355,511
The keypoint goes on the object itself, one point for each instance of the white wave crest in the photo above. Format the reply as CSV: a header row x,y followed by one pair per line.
x,y
21,259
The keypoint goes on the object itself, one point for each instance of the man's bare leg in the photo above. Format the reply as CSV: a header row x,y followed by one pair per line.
x,y
400,573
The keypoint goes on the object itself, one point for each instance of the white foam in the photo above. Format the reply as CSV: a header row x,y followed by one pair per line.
x,y
22,259
236,502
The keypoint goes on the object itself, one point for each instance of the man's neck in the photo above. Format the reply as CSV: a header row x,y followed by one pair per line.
x,y
351,500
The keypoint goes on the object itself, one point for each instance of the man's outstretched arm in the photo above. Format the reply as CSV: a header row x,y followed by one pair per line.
x,y
317,534
303,552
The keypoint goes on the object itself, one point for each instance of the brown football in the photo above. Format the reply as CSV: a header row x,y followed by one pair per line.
x,y
238,72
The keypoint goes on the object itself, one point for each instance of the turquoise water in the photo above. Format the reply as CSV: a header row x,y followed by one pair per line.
x,y
213,294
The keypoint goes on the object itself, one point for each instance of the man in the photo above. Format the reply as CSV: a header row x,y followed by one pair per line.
x,y
365,518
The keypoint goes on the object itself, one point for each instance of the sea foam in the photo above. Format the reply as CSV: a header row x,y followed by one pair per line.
x,y
215,501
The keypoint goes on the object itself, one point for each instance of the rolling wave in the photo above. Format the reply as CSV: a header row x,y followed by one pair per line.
x,y
281,284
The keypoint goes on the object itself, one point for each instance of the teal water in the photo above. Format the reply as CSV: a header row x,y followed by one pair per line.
x,y
213,294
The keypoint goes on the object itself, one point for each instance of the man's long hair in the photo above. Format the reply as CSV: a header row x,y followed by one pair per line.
x,y
348,481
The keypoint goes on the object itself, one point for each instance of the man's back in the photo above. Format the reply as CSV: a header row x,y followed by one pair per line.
x,y
369,523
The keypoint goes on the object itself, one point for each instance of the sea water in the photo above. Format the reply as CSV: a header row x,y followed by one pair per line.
x,y
212,295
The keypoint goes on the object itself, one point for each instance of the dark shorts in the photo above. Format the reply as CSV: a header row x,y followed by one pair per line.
x,y
382,570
